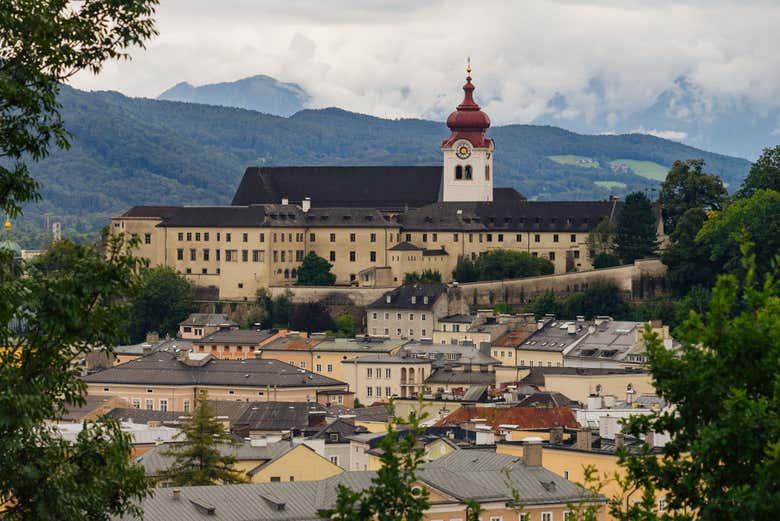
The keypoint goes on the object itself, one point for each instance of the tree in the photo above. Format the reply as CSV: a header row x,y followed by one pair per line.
x,y
759,216
723,459
605,260
45,42
465,270
53,311
315,271
345,326
601,239
427,276
508,264
687,186
164,300
198,459
635,236
689,264
764,174
546,304
392,495
311,317
602,298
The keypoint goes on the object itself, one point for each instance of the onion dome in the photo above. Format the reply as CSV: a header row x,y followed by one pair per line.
x,y
468,121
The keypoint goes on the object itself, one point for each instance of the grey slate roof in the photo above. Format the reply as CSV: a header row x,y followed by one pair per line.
x,y
554,336
404,246
387,359
445,375
383,187
477,475
165,368
247,337
401,297
359,345
449,354
458,319
536,375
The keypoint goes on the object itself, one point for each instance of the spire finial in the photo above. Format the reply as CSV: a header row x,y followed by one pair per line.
x,y
468,65
7,223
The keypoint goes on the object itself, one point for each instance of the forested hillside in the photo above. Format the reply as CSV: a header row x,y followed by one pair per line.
x,y
129,151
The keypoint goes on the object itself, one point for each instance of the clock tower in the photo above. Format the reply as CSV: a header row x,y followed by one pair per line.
x,y
468,153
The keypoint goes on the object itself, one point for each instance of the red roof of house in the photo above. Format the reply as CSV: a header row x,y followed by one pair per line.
x,y
523,417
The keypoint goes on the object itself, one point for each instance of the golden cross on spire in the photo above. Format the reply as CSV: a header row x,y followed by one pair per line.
x,y
468,65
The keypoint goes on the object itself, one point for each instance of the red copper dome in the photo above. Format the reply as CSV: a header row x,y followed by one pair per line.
x,y
468,121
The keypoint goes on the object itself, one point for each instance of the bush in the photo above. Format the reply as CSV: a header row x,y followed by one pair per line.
x,y
606,260
428,275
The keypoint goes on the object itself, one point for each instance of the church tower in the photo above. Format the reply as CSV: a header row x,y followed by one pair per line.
x,y
468,153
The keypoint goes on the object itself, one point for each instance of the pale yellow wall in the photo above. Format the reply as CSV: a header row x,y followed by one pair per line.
x,y
356,375
239,279
438,449
235,351
301,463
579,387
446,337
529,357
372,426
177,395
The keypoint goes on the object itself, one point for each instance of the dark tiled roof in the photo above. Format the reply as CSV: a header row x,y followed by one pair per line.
x,y
435,253
339,427
459,319
404,246
445,375
401,297
547,399
212,216
280,416
165,368
507,194
346,217
237,336
341,186
526,216
536,374
151,211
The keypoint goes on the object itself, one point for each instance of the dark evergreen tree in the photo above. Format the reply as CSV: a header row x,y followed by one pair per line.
x,y
311,317
427,276
199,459
688,262
465,270
764,174
164,300
635,236
315,271
605,260
687,186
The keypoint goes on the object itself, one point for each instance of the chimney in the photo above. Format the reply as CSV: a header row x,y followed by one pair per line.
x,y
146,349
306,204
619,440
571,329
176,494
152,337
285,201
580,319
540,325
583,439
556,435
532,452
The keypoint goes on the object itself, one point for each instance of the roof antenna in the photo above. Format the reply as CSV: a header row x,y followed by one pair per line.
x,y
468,66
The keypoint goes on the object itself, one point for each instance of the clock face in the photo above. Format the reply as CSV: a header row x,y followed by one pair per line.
x,y
463,151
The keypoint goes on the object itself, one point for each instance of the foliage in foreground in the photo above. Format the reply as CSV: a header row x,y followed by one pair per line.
x,y
164,300
197,458
724,458
52,312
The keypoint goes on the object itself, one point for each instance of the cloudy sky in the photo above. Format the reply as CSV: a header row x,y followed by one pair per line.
x,y
405,58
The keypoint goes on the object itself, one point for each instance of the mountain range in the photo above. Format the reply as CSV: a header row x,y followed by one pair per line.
x,y
130,151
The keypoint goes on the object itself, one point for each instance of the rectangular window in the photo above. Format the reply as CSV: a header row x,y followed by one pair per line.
x,y
205,236
519,237
455,237
573,237
552,255
425,237
372,256
206,254
245,237
537,237
219,236
500,237
231,255
379,391
149,405
318,368
258,255
388,391
147,238
197,236
489,237
312,237
352,237
408,237
262,237
330,368
332,237
227,237
189,236
244,255
181,236
352,256
576,254
180,254
186,406
369,372
332,256
218,253
193,254
299,255
373,237
555,237
164,405
334,459
435,237
136,403
369,391
283,255
547,516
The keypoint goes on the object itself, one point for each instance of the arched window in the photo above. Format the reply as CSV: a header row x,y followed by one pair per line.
x,y
468,172
294,273
487,172
403,375
458,172
287,274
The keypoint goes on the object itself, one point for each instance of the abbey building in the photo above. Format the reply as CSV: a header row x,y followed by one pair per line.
x,y
373,223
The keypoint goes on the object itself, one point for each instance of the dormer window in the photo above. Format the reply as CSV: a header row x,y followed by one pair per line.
x,y
388,299
414,299
425,299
